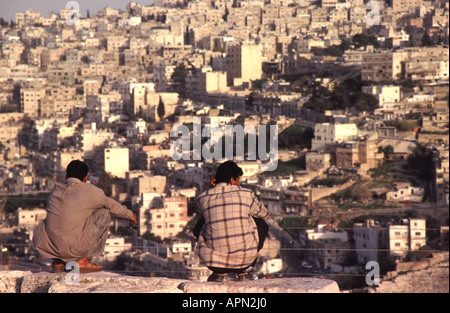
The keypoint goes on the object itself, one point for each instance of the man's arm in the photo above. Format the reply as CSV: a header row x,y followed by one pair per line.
x,y
117,209
257,209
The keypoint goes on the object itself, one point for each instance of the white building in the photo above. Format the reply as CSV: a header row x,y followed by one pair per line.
x,y
409,236
406,193
30,218
117,161
168,221
93,138
326,246
136,128
373,240
322,232
115,246
370,241
387,95
326,133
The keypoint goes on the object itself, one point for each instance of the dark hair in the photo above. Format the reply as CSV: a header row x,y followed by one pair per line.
x,y
226,171
77,169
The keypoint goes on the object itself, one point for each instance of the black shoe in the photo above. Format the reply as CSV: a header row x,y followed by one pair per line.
x,y
216,277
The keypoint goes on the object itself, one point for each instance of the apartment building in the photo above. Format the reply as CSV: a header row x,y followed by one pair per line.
x,y
244,63
410,235
427,68
386,95
326,246
326,133
317,161
205,82
383,65
168,221
371,241
30,218
117,161
114,246
31,100
328,3
374,240
405,5
361,153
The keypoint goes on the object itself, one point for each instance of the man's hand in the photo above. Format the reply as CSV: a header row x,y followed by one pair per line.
x,y
213,181
133,220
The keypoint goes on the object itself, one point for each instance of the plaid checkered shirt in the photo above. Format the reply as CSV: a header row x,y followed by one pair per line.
x,y
229,238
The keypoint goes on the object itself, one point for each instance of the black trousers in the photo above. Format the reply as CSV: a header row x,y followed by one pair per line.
x,y
263,231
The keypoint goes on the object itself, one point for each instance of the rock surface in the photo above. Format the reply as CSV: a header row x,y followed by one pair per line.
x,y
106,282
278,285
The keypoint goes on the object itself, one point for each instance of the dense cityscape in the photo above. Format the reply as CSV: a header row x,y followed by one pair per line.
x,y
358,92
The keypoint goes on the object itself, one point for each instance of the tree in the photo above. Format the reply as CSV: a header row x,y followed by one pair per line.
x,y
3,23
179,74
105,182
161,110
152,237
225,16
387,150
426,40
363,40
364,102
421,162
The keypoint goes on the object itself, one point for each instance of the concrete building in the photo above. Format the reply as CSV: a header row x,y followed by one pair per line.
x,y
371,241
168,221
384,65
406,193
405,5
326,246
386,95
31,100
114,247
361,153
30,218
117,161
409,236
92,138
374,241
326,133
316,161
244,63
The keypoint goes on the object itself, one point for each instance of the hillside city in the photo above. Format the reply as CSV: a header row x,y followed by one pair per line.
x,y
358,91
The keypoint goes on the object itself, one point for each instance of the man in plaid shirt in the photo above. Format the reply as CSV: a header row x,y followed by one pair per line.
x,y
234,225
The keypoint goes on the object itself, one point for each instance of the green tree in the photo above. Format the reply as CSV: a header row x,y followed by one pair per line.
x,y
161,110
426,40
150,236
387,150
363,40
104,182
179,74
421,162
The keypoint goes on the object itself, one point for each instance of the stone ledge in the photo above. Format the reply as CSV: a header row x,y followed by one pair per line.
x,y
107,282
276,285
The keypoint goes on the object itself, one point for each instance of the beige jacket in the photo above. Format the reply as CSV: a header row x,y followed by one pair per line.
x,y
67,232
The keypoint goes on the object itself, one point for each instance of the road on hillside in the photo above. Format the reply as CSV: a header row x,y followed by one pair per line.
x,y
289,252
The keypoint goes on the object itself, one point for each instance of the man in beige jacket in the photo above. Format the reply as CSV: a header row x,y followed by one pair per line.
x,y
78,217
